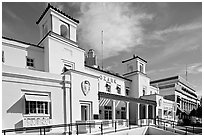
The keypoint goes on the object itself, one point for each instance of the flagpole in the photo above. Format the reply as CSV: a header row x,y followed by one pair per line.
x,y
186,73
102,47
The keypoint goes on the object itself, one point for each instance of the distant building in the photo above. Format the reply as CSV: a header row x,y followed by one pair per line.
x,y
180,91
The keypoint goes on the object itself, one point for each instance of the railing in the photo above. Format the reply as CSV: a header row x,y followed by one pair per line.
x,y
173,126
101,127
80,127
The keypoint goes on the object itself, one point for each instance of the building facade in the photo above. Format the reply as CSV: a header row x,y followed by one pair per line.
x,y
49,83
56,82
180,91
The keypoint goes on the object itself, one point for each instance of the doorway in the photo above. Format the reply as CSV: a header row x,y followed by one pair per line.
x,y
84,112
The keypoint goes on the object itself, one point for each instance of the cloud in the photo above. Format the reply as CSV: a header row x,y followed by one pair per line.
x,y
121,26
179,69
194,68
174,40
162,34
11,14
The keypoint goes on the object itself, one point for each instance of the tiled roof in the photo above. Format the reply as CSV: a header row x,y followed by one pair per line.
x,y
134,58
21,42
59,11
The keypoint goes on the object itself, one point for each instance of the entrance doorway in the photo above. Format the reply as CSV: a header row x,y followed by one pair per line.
x,y
84,112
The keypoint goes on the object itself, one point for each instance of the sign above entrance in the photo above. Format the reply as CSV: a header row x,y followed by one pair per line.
x,y
85,87
108,79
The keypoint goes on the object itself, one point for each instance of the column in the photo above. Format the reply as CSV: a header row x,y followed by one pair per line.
x,y
138,114
153,114
187,105
181,103
113,110
147,114
127,113
127,110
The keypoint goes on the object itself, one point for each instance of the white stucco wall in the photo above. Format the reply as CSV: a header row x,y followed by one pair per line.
x,y
17,81
78,97
56,17
59,51
15,54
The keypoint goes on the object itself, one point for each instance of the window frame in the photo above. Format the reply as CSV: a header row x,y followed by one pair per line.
x,y
67,29
141,67
35,105
108,87
33,62
118,88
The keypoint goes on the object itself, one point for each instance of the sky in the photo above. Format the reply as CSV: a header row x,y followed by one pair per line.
x,y
167,35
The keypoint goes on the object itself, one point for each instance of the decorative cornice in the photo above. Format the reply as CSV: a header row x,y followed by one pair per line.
x,y
6,74
26,43
59,37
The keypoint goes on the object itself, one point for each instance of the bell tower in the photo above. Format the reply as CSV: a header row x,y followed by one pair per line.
x,y
135,69
52,19
58,38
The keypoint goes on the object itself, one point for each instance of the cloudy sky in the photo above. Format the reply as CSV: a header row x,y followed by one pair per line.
x,y
167,35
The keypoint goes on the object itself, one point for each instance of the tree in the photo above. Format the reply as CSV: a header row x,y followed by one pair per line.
x,y
199,112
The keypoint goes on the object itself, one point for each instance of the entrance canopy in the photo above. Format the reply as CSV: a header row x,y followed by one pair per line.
x,y
124,98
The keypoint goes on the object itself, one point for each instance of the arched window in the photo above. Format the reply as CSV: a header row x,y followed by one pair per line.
x,y
63,30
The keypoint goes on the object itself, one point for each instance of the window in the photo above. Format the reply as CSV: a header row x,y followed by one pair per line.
x,y
3,59
36,107
108,87
127,89
36,104
108,112
144,91
118,88
123,113
67,67
150,92
30,62
160,102
165,112
141,67
65,31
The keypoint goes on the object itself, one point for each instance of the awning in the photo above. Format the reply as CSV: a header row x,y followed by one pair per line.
x,y
37,98
179,109
125,98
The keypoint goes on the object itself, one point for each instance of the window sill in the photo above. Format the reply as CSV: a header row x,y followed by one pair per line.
x,y
29,67
36,115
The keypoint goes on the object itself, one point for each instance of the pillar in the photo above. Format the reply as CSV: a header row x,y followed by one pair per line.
x,y
113,110
147,107
127,110
138,114
153,114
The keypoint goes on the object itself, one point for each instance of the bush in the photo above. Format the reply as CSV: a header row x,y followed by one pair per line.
x,y
186,121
